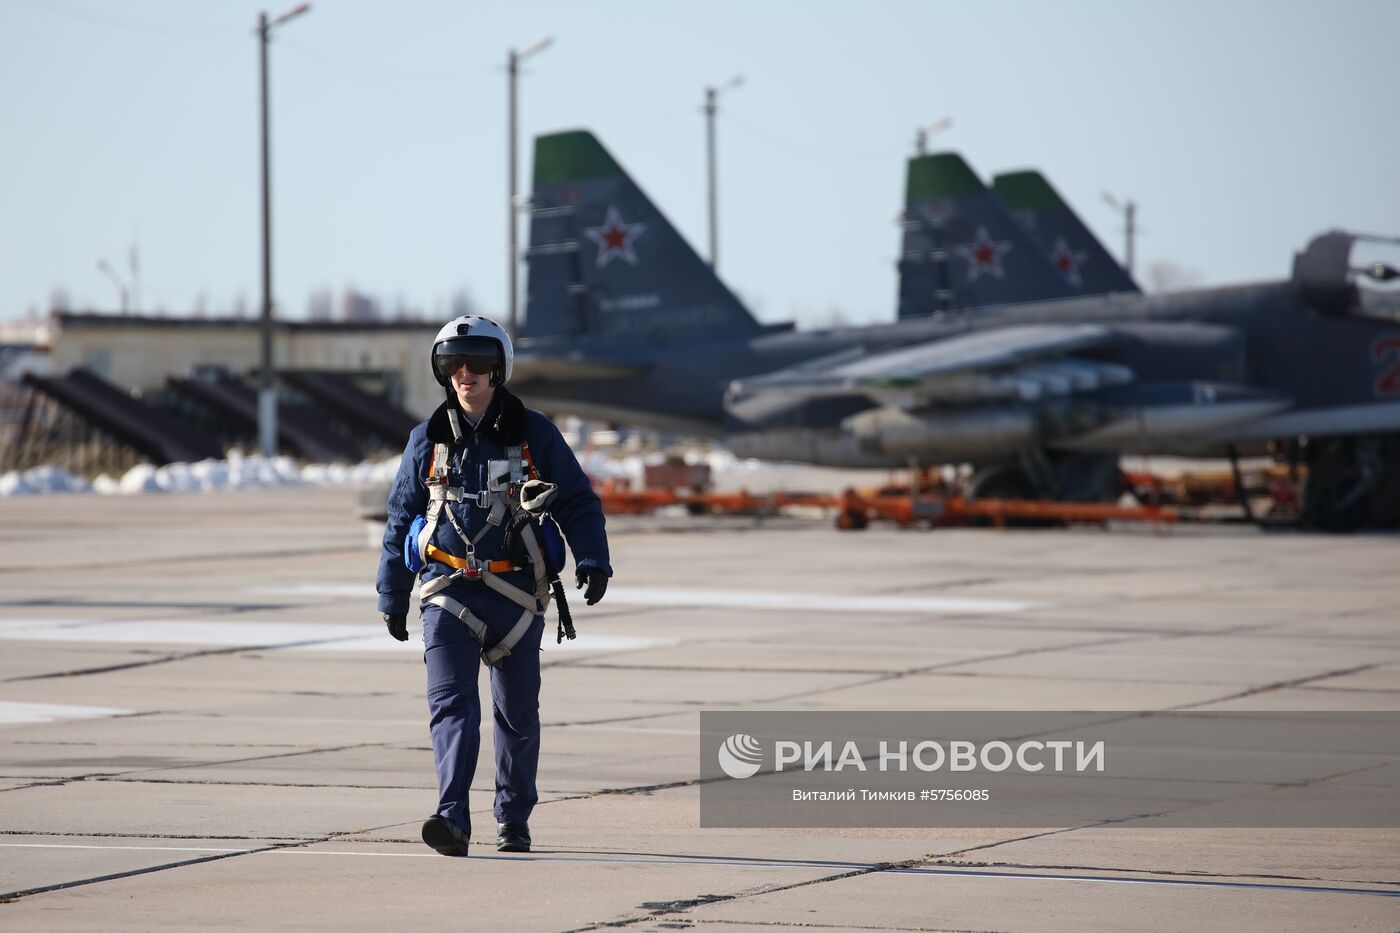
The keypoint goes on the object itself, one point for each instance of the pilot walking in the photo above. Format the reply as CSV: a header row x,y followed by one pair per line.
x,y
475,514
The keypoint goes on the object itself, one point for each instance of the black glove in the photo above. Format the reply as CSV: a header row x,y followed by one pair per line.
x,y
596,582
397,624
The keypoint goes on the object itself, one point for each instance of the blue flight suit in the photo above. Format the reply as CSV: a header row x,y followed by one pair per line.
x,y
450,651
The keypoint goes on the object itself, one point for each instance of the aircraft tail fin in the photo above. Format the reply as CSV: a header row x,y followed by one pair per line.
x,y
962,248
605,262
1056,229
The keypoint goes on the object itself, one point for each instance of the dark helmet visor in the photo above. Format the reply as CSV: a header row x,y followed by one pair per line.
x,y
481,355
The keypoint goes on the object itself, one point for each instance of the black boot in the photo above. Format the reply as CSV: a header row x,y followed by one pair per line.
x,y
513,837
442,834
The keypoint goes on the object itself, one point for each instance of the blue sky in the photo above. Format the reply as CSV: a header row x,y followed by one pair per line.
x,y
1239,128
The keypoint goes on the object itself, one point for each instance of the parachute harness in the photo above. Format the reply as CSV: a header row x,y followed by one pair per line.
x,y
515,498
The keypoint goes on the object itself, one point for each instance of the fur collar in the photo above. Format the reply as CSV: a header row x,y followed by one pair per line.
x,y
504,421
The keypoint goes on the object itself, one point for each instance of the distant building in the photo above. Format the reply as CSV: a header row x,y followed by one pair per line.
x,y
318,308
140,352
24,348
357,308
25,331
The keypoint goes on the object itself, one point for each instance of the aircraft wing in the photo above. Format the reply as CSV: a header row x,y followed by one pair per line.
x,y
1132,386
1025,362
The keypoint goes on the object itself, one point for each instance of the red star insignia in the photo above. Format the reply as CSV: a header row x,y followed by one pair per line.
x,y
1068,261
984,255
615,238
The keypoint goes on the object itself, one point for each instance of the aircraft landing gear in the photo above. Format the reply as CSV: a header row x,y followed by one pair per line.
x,y
1001,482
1067,477
1009,481
1353,483
1043,474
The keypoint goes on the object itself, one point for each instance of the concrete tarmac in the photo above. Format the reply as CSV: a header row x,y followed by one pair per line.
x,y
203,723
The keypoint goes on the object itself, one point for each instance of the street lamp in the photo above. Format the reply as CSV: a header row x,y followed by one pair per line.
x,y
1129,211
267,392
513,60
133,256
921,137
711,93
106,268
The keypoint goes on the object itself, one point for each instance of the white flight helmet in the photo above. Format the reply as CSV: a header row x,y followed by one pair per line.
x,y
468,335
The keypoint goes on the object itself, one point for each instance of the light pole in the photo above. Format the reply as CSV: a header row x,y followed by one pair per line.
x,y
711,93
921,137
106,268
267,392
1129,211
134,257
513,60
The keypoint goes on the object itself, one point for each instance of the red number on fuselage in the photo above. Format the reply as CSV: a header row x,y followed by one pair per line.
x,y
1388,382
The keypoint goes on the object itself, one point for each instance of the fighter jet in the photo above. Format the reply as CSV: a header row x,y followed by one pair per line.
x,y
625,322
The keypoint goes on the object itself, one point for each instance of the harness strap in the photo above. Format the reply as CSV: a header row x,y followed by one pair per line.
x,y
515,594
472,622
501,506
457,527
498,652
517,455
532,547
438,494
449,494
438,584
442,456
469,565
501,649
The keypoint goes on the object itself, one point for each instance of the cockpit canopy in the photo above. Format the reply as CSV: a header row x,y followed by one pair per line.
x,y
1352,275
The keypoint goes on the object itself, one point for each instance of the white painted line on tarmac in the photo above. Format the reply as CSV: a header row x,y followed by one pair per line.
x,y
14,713
633,727
187,632
740,599
380,641
356,590
291,636
812,602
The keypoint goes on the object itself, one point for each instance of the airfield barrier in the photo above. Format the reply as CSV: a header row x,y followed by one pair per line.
x,y
1161,502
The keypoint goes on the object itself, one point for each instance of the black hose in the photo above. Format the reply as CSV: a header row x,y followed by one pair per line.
x,y
566,621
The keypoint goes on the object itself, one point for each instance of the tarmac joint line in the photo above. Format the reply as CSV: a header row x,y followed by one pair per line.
x,y
1281,685
9,897
12,896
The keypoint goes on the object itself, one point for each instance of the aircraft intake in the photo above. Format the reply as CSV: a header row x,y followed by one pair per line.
x,y
1351,275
